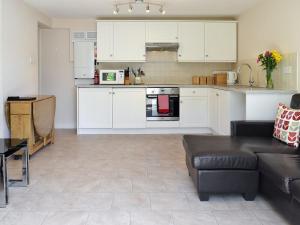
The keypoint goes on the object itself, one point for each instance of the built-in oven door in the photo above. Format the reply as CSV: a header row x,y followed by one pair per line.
x,y
152,111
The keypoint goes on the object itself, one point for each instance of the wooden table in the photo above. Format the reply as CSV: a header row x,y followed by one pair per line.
x,y
32,120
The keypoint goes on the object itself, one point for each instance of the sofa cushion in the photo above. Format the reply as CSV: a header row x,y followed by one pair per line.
x,y
281,169
287,124
217,152
295,189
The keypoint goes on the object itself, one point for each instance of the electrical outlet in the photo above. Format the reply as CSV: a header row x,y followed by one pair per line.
x,y
287,70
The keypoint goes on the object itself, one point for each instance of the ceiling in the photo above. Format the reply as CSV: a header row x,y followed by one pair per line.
x,y
180,8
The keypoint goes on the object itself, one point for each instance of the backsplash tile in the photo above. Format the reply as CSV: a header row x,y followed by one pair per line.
x,y
163,68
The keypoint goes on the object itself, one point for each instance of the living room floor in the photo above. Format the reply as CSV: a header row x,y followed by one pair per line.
x,y
121,180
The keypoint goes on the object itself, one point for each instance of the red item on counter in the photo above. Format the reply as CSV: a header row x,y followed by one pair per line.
x,y
163,104
96,77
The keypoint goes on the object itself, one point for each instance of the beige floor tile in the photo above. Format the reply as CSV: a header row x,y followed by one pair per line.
x,y
66,218
235,217
148,185
109,218
194,218
168,201
131,201
23,218
115,185
149,217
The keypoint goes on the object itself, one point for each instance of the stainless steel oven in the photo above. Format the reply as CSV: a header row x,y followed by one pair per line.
x,y
162,104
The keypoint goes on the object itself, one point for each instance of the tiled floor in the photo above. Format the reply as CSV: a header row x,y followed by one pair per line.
x,y
121,180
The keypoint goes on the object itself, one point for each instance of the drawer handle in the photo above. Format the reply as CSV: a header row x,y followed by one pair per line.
x,y
194,92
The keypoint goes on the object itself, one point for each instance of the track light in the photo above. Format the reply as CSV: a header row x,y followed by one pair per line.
x,y
162,11
146,3
130,8
116,11
148,9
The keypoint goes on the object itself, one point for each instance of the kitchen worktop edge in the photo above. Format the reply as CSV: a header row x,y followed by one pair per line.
x,y
240,89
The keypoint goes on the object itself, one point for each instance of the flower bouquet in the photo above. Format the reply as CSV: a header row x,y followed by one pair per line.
x,y
269,61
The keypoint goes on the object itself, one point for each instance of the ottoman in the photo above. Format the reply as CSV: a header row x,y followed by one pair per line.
x,y
218,165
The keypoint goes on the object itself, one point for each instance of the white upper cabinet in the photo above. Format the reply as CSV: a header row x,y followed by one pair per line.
x,y
220,42
129,41
105,41
191,42
199,41
160,31
121,41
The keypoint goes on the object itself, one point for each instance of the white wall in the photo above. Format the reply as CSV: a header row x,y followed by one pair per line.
x,y
1,74
57,75
272,24
20,44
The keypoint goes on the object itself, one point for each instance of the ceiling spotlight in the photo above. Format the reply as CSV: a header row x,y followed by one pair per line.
x,y
130,8
162,11
148,9
116,11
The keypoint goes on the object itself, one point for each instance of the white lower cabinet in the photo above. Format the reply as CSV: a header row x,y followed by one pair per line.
x,y
129,108
101,108
193,107
94,108
219,111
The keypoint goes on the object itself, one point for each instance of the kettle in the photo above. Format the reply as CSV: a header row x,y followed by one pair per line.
x,y
231,78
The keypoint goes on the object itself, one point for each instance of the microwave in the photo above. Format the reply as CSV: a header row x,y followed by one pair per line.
x,y
112,76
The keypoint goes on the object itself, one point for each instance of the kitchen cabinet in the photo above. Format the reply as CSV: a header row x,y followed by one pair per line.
x,y
161,32
129,41
220,41
121,42
129,108
193,107
105,41
191,42
219,111
94,108
84,57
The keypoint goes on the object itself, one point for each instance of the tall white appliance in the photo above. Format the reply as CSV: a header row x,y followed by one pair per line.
x,y
84,59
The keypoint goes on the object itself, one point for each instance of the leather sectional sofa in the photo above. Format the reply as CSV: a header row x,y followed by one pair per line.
x,y
248,161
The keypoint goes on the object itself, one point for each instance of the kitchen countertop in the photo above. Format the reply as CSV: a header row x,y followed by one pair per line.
x,y
235,88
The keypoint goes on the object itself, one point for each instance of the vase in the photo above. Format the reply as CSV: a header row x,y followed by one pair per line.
x,y
270,83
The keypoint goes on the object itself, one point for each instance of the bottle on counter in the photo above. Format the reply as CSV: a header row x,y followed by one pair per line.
x,y
96,77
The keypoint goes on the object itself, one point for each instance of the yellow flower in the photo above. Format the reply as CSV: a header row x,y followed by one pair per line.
x,y
277,56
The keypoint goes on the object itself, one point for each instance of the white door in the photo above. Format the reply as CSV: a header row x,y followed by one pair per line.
x,y
221,42
84,59
129,41
191,42
105,41
95,108
161,32
214,110
193,112
224,110
129,105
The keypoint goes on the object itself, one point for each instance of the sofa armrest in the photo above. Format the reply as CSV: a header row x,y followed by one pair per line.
x,y
252,128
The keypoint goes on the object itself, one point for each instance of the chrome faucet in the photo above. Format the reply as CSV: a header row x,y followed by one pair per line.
x,y
251,80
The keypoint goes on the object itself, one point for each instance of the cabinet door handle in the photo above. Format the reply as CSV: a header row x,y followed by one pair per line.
x,y
194,92
181,102
111,55
180,55
217,94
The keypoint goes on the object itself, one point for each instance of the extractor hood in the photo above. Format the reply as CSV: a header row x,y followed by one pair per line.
x,y
171,47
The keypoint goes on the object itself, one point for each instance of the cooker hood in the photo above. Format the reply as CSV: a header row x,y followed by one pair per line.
x,y
171,47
